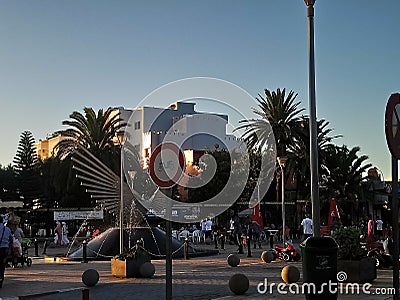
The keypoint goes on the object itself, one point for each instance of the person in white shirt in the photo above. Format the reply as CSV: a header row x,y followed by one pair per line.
x,y
379,228
19,234
65,240
203,228
208,228
307,227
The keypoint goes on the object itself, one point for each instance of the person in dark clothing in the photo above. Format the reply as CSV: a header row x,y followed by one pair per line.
x,y
237,235
256,232
5,242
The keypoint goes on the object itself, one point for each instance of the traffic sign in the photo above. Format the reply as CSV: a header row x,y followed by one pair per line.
x,y
167,165
392,125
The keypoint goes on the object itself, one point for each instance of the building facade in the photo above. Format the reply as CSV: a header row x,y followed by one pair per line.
x,y
179,123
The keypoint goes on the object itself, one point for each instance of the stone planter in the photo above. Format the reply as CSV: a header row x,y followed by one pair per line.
x,y
127,268
358,271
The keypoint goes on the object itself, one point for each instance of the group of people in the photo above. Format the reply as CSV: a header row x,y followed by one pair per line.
x,y
206,228
375,228
61,234
243,234
10,241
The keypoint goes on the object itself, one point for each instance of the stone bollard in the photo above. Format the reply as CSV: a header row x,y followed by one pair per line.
x,y
186,249
85,294
84,252
222,242
248,242
36,248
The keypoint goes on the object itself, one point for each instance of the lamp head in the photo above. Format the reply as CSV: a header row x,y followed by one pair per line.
x,y
282,160
309,2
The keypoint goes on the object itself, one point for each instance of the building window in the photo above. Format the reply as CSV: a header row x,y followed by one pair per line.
x,y
137,125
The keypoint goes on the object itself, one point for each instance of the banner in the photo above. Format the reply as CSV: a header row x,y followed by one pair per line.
x,y
78,215
256,215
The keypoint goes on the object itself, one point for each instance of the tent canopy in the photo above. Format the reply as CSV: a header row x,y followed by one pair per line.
x,y
11,204
245,213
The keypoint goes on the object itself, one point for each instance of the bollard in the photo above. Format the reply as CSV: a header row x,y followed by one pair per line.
x,y
186,249
36,248
45,246
216,240
222,242
84,251
85,294
248,242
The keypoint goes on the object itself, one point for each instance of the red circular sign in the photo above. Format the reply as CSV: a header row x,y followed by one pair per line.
x,y
392,125
167,165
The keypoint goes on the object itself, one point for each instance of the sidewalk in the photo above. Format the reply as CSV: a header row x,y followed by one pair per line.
x,y
197,278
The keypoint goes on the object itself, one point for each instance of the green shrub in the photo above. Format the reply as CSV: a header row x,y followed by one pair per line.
x,y
349,241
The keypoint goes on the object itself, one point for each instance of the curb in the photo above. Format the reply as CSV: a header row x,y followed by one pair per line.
x,y
27,297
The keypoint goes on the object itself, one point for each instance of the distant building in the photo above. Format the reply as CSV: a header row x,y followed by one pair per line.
x,y
193,131
46,148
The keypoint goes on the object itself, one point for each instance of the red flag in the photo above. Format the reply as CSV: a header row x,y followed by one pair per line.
x,y
333,212
256,215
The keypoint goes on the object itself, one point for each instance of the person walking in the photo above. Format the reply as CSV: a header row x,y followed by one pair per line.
x,y
256,231
237,233
58,235
19,234
5,242
307,227
64,233
379,228
209,228
370,227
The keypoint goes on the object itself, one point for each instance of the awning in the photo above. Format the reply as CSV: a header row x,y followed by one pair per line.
x,y
11,204
245,213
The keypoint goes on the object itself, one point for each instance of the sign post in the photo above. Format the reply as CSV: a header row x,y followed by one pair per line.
x,y
167,165
392,130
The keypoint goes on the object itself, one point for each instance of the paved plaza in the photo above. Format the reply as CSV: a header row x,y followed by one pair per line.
x,y
196,278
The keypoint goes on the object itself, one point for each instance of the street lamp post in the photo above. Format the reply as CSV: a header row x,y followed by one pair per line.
x,y
313,122
282,162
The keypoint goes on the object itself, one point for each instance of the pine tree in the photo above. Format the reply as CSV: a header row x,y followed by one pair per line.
x,y
26,169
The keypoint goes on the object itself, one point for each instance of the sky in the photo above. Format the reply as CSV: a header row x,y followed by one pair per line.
x,y
57,57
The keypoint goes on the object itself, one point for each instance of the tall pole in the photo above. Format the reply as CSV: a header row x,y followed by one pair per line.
x,y
313,122
168,249
282,162
395,223
121,208
283,206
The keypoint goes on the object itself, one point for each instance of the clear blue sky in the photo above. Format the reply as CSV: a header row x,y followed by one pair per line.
x,y
58,56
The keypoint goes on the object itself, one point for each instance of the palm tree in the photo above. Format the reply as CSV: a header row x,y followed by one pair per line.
x,y
345,171
299,152
279,114
95,132
277,111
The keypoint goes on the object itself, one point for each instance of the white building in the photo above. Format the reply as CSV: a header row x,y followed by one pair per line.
x,y
179,123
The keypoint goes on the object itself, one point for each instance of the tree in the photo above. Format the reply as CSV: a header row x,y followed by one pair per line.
x,y
277,111
214,171
26,170
280,113
299,152
8,184
344,169
95,132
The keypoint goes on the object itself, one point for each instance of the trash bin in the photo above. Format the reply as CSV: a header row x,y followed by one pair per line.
x,y
319,268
